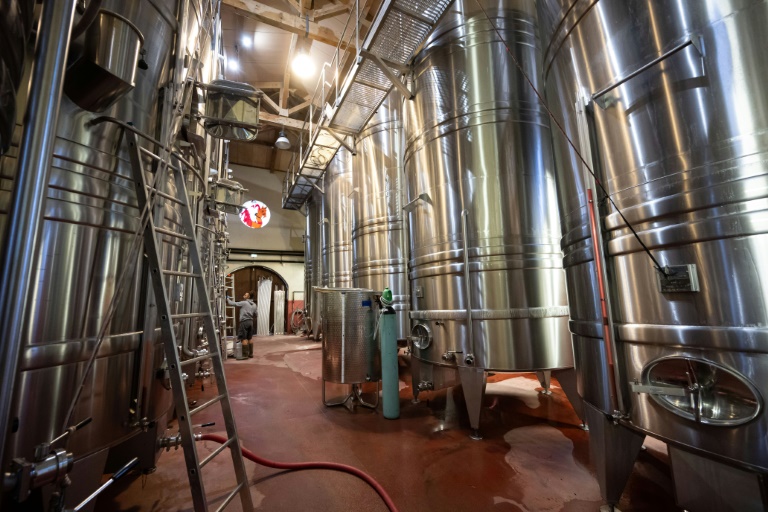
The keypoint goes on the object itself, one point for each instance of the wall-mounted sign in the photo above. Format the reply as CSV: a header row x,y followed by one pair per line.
x,y
255,214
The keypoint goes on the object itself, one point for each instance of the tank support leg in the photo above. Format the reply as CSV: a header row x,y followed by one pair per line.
x,y
567,380
415,378
544,377
473,384
613,449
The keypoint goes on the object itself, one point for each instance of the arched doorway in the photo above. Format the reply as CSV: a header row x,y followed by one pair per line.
x,y
247,279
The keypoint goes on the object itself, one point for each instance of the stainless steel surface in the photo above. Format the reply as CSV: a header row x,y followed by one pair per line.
x,y
90,217
732,489
477,139
317,243
107,67
378,235
337,222
350,349
22,229
680,149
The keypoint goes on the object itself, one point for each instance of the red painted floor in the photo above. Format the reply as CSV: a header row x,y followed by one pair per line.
x,y
534,457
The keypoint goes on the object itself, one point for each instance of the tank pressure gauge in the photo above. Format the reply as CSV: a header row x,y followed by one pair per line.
x,y
421,336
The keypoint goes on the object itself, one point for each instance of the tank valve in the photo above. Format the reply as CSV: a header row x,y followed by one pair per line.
x,y
469,360
426,385
450,356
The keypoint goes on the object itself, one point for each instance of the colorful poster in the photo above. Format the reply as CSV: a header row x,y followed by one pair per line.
x,y
255,214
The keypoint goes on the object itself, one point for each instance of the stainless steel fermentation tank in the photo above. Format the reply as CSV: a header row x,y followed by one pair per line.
x,y
487,283
314,263
378,234
90,216
337,222
666,99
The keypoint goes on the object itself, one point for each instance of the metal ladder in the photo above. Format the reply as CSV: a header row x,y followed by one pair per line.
x,y
144,195
230,312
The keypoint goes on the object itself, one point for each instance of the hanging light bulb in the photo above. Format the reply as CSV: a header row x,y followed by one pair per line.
x,y
302,64
282,141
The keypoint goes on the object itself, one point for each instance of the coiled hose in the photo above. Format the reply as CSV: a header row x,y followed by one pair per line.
x,y
299,466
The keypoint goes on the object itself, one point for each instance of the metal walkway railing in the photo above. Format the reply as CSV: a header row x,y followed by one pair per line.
x,y
354,84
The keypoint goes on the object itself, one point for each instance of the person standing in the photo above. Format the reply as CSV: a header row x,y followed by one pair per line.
x,y
248,314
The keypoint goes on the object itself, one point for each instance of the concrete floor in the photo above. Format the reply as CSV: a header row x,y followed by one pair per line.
x,y
534,457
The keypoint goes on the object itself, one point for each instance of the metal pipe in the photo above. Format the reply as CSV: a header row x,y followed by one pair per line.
x,y
636,72
469,359
607,334
22,242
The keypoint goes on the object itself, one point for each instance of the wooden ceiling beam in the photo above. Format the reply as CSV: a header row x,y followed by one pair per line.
x,y
298,107
269,101
285,90
266,85
283,20
331,10
277,120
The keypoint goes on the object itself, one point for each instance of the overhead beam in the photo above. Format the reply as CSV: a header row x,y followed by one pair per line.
x,y
307,6
295,4
329,11
266,85
285,90
277,120
298,107
269,101
283,20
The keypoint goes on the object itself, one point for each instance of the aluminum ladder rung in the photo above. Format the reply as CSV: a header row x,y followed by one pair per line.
x,y
208,404
168,232
165,196
217,451
180,274
153,249
229,498
189,315
197,359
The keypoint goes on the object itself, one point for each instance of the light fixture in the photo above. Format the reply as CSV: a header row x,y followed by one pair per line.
x,y
234,63
254,255
282,141
302,64
246,41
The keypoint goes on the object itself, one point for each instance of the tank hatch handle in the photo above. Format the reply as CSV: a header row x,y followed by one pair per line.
x,y
650,389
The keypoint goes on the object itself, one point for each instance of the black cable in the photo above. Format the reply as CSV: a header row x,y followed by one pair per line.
x,y
657,265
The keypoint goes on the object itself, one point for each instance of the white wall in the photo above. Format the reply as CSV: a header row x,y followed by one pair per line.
x,y
286,227
283,233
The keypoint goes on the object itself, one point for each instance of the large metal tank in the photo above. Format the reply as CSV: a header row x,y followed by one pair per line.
x,y
378,234
487,283
665,98
337,222
317,244
87,238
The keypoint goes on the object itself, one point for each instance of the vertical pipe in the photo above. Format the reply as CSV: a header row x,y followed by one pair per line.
x,y
467,291
22,243
607,334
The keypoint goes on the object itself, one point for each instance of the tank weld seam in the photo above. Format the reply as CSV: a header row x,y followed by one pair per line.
x,y
491,314
661,269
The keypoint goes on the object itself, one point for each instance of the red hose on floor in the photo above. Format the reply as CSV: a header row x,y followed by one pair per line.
x,y
298,466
